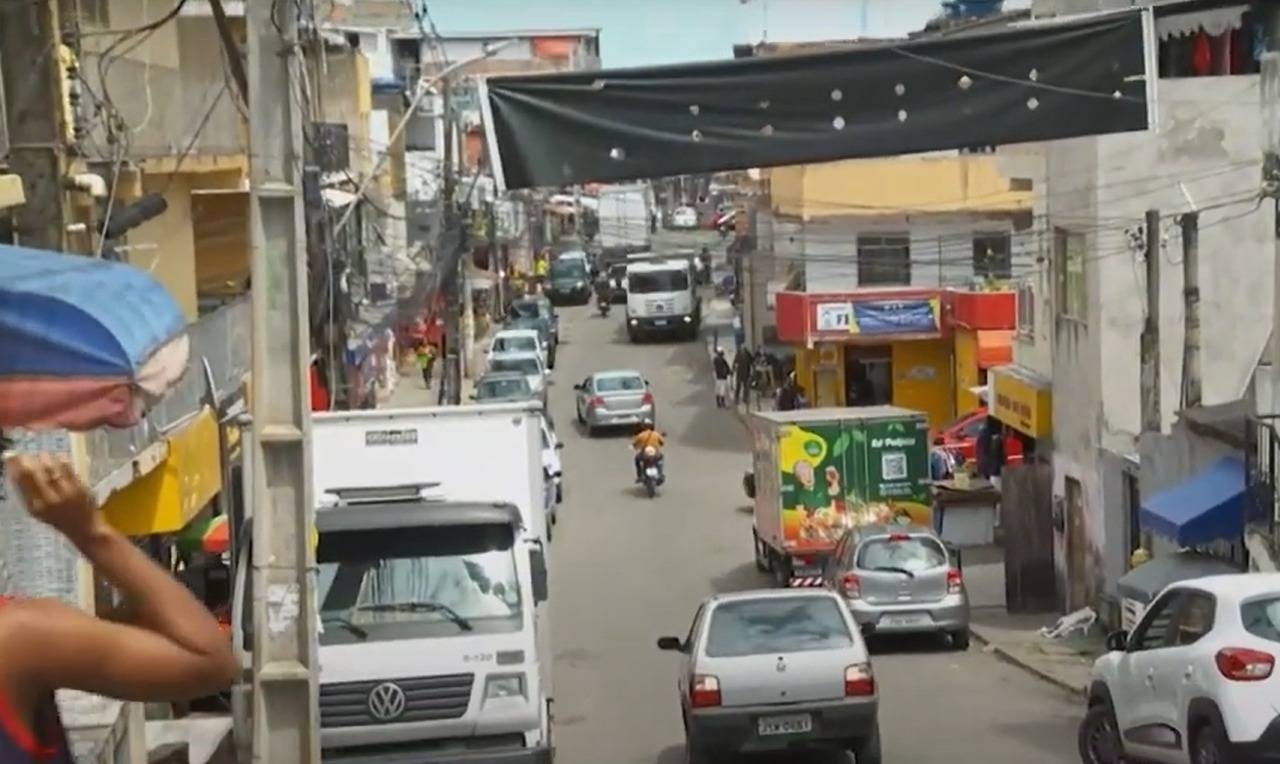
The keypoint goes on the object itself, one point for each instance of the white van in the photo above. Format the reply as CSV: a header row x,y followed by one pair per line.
x,y
662,296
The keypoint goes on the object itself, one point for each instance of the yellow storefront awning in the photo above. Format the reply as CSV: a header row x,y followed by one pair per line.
x,y
1022,399
165,499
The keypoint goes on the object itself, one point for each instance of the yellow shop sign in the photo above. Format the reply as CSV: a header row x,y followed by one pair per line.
x,y
1022,399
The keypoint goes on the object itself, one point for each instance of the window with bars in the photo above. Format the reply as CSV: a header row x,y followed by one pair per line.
x,y
884,260
993,255
1026,297
1069,273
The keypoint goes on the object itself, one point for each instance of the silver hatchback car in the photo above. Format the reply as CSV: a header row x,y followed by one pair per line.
x,y
776,670
901,579
614,399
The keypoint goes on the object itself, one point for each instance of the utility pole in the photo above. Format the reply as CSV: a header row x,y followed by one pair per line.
x,y
449,257
1191,387
1269,86
31,60
1150,372
286,720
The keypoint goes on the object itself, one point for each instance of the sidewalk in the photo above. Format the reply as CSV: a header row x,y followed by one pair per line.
x,y
409,391
1016,639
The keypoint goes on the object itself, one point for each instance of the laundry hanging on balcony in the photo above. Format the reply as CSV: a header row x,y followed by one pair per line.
x,y
1032,81
83,342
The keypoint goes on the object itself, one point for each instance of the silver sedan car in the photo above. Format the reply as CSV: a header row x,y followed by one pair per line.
x,y
901,579
613,399
776,670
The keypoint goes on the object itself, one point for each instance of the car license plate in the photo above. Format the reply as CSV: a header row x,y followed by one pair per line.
x,y
906,619
652,472
660,322
785,725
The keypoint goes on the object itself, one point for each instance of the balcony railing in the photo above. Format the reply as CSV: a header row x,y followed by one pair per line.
x,y
222,340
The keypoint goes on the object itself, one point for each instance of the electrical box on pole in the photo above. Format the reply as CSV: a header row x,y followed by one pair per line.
x,y
285,704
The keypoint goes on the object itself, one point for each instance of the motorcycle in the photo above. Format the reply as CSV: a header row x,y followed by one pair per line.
x,y
602,305
651,471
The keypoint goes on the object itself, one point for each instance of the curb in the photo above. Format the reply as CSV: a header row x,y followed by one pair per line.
x,y
1008,657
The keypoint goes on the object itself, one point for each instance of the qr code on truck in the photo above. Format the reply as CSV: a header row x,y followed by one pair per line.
x,y
893,466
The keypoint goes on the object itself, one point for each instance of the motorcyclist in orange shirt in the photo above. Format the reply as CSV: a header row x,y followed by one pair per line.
x,y
646,438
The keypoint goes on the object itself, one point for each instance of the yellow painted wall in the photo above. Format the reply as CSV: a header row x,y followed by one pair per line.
x,y
168,243
221,242
922,378
969,183
823,375
966,341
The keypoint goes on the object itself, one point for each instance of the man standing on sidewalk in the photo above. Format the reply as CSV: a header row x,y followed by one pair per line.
x,y
742,365
426,360
722,371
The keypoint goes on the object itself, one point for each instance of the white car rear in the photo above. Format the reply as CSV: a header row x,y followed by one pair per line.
x,y
684,217
517,341
1195,683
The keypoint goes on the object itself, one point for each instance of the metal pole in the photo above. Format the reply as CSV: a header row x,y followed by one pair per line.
x,y
1269,87
1191,379
30,46
1150,372
285,714
453,240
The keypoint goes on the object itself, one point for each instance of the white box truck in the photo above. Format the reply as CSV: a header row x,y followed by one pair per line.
x,y
625,216
430,582
662,296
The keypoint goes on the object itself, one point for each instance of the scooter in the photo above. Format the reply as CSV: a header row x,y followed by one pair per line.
x,y
651,471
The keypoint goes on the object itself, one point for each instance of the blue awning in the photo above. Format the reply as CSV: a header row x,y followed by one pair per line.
x,y
1208,507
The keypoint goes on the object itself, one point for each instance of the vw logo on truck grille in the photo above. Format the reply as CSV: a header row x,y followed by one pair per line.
x,y
387,702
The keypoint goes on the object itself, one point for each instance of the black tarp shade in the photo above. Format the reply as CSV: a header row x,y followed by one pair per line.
x,y
1042,81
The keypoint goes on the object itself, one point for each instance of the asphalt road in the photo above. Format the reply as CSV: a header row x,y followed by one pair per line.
x,y
626,570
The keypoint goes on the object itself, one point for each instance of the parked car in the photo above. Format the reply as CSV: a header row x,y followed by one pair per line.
x,y
900,580
1195,682
614,399
551,447
776,670
539,307
961,438
502,386
517,341
684,217
528,364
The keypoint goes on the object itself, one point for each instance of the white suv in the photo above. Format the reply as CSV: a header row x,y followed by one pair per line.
x,y
1195,683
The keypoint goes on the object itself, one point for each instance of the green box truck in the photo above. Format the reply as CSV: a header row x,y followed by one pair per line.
x,y
817,472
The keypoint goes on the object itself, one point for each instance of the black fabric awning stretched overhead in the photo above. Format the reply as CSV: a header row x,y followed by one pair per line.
x,y
1031,82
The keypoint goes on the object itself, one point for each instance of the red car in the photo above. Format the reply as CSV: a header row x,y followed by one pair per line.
x,y
961,436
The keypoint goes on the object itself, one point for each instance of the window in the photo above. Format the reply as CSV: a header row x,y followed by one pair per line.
x,y
992,256
1068,266
93,13
884,260
650,282
912,554
567,269
1187,50
619,384
528,366
1153,631
777,625
1194,618
1261,618
515,343
513,387
1026,296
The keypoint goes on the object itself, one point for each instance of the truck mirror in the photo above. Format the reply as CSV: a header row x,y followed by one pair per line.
x,y
538,568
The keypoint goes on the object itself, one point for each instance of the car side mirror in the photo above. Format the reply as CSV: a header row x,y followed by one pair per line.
x,y
1118,641
577,387
538,572
672,644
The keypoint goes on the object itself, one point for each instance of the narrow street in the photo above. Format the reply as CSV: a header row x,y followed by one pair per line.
x,y
626,570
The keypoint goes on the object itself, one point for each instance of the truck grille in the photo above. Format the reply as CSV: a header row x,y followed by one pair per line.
x,y
661,307
427,698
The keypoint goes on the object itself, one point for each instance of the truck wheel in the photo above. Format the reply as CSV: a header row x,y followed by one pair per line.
x,y
781,570
762,564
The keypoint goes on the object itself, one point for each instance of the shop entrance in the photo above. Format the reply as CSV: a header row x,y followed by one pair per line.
x,y
868,374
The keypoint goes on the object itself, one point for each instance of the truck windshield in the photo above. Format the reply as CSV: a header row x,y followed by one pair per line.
x,y
409,583
649,282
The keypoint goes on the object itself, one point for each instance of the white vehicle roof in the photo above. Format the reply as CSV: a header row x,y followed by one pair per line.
x,y
516,333
664,264
573,254
1234,587
516,355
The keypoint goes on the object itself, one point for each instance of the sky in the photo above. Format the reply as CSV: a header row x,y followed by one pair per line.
x,y
644,32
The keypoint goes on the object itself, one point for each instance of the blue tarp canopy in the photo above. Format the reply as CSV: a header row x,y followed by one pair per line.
x,y
85,341
1209,506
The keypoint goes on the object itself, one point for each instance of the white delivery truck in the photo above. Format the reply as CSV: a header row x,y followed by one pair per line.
x,y
430,581
625,216
662,296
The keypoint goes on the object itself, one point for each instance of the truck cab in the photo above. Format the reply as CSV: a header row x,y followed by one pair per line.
x,y
429,632
662,297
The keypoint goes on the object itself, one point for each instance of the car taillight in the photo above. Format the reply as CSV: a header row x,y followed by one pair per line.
x,y
850,586
647,400
1243,664
899,537
595,402
955,581
704,692
859,682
